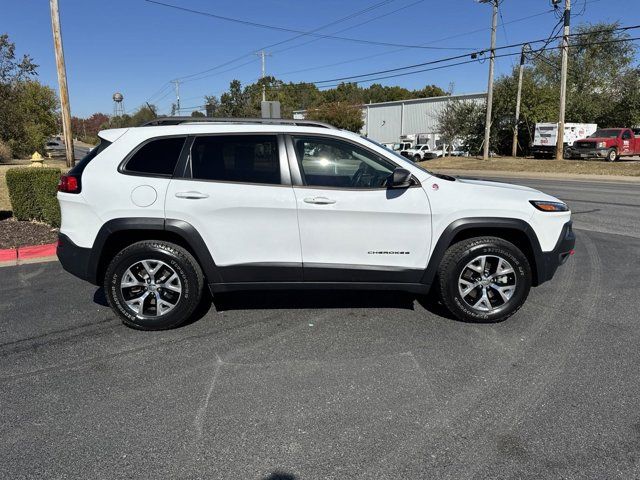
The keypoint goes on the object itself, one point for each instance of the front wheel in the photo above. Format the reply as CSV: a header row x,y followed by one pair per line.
x,y
154,285
612,155
417,158
484,279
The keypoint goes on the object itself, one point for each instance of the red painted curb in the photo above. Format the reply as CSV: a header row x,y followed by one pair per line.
x,y
37,251
8,255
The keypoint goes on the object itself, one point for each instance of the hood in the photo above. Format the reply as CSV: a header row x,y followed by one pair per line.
x,y
489,183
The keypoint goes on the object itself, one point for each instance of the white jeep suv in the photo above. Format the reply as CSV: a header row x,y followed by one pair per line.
x,y
157,213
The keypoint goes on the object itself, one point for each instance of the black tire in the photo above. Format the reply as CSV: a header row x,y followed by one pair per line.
x,y
417,158
455,262
177,259
612,155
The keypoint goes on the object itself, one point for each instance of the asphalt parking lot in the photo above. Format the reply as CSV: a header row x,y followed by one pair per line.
x,y
335,385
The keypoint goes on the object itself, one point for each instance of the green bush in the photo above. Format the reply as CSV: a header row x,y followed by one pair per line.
x,y
32,192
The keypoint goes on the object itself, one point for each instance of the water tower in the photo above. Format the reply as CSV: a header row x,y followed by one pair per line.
x,y
118,106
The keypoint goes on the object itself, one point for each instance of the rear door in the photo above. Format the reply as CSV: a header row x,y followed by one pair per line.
x,y
352,228
236,191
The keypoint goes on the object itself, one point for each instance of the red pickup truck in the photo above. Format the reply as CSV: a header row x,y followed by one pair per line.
x,y
608,143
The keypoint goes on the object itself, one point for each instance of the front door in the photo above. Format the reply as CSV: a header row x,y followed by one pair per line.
x,y
627,142
237,194
353,228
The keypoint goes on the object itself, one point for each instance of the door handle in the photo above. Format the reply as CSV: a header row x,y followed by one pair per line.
x,y
192,195
320,200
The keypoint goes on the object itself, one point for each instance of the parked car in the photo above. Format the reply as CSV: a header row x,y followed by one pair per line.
x,y
420,152
546,136
157,213
55,147
607,143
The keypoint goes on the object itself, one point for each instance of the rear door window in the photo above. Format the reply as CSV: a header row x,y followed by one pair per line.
x,y
236,158
156,157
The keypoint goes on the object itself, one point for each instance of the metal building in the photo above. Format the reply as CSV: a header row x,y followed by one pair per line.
x,y
388,122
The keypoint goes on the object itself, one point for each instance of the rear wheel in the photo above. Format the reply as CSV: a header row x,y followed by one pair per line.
x,y
154,285
484,279
612,155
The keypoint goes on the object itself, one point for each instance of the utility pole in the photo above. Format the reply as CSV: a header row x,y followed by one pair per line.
x,y
262,54
492,60
62,83
514,151
563,79
177,86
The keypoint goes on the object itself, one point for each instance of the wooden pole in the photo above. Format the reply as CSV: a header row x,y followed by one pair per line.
x,y
563,80
62,83
492,60
514,150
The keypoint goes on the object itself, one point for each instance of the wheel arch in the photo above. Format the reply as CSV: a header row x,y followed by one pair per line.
x,y
514,230
118,233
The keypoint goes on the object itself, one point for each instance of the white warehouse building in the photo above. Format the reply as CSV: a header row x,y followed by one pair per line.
x,y
388,122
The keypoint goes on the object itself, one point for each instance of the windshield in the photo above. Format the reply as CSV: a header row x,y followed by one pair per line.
x,y
606,133
397,155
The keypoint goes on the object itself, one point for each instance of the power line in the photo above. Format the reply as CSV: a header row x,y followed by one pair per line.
x,y
367,57
348,17
476,53
300,32
404,7
473,60
229,62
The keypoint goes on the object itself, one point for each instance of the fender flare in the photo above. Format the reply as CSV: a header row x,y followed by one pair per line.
x,y
493,223
184,230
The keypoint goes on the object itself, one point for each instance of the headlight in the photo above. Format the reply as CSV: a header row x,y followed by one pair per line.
x,y
602,144
550,206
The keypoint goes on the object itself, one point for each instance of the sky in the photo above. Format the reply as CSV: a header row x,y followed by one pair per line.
x,y
136,47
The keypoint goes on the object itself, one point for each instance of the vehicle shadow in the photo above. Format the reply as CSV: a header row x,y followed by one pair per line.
x,y
280,476
307,299
312,299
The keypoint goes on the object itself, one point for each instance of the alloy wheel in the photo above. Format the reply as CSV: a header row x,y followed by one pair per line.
x,y
487,282
150,288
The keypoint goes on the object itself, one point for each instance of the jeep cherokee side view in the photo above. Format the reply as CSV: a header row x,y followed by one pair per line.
x,y
157,213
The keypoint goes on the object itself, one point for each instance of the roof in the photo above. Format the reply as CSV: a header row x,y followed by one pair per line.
x,y
164,121
204,128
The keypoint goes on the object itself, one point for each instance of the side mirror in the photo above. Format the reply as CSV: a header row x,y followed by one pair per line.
x,y
400,178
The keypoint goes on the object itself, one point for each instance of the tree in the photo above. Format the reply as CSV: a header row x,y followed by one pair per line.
x,y
235,102
143,114
603,86
11,69
28,109
339,114
87,128
463,121
212,105
197,113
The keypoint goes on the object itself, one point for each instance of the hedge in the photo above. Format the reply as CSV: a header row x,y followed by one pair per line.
x,y
32,192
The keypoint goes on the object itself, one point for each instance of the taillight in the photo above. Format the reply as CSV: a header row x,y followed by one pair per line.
x,y
69,184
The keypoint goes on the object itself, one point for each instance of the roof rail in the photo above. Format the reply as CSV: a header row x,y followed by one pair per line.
x,y
160,121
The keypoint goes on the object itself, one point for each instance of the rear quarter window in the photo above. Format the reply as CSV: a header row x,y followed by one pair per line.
x,y
156,157
93,153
